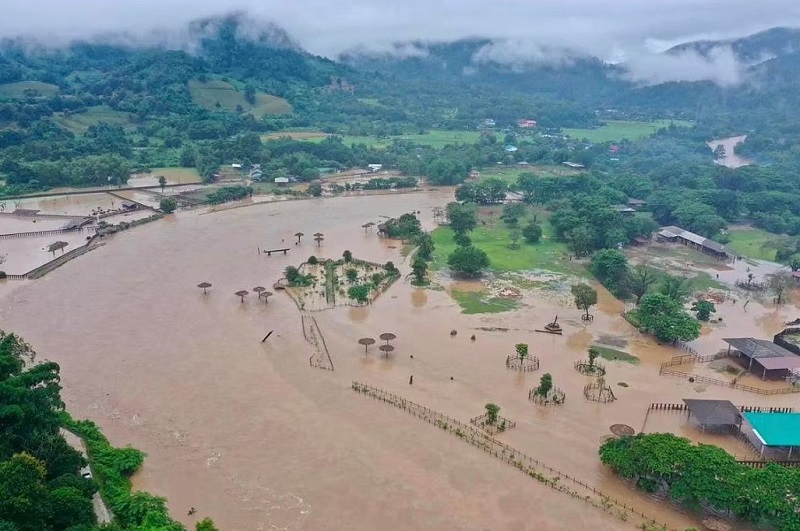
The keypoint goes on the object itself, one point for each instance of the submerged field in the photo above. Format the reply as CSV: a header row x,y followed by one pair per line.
x,y
616,130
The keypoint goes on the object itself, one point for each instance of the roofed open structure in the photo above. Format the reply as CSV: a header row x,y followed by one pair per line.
x,y
714,414
773,360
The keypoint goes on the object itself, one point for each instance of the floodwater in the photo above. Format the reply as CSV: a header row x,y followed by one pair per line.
x,y
72,205
249,434
731,159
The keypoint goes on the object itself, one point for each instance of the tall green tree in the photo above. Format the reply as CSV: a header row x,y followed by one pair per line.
x,y
610,267
585,297
639,280
676,288
468,260
462,217
666,319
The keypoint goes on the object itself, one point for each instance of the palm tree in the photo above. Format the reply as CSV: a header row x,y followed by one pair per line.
x,y
241,293
205,286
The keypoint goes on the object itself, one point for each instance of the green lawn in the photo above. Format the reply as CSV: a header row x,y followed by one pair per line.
x,y
79,122
208,94
478,302
749,242
493,238
616,130
509,174
10,90
612,354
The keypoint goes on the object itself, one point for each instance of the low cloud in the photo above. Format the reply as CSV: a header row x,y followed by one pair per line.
x,y
719,65
523,30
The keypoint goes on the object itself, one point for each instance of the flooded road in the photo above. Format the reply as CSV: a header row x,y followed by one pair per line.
x,y
731,159
249,434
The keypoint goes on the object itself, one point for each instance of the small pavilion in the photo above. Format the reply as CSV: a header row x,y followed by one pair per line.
x,y
774,430
714,414
772,360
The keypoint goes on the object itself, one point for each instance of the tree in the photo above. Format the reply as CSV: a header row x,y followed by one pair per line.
x,y
639,280
468,260
168,205
676,288
779,283
462,239
315,189
513,238
665,319
70,507
585,297
352,275
162,182
291,273
425,246
794,262
703,309
512,213
610,266
593,355
347,256
206,524
462,217
390,268
419,268
250,95
23,492
312,260
492,411
522,351
359,293
532,232
545,385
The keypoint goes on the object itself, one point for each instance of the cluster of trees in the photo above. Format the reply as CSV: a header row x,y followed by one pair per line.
x,y
707,477
41,484
466,259
406,227
228,193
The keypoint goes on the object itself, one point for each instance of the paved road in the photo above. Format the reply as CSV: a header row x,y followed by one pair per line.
x,y
102,512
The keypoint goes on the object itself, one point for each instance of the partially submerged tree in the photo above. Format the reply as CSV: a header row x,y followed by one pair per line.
x,y
676,288
347,256
522,351
585,297
593,355
162,182
167,205
545,385
665,319
780,283
359,293
425,246
492,411
419,269
703,309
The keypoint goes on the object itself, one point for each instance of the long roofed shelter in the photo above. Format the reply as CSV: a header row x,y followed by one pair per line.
x,y
772,359
775,430
714,414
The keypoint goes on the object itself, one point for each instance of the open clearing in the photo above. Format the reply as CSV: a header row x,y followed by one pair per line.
x,y
616,130
492,236
749,242
210,93
436,139
79,122
510,174
10,90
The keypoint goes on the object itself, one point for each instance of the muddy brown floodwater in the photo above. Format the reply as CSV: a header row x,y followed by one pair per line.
x,y
249,434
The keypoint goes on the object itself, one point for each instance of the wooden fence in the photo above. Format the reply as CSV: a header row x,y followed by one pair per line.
x,y
35,234
514,363
756,463
528,465
665,370
744,409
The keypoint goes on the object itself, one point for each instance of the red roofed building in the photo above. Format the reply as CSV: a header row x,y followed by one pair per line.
x,y
526,124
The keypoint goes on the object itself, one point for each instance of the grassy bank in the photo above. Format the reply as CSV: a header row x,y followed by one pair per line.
x,y
435,138
616,130
481,302
612,354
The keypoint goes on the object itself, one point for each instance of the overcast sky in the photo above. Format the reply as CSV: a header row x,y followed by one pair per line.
x,y
610,29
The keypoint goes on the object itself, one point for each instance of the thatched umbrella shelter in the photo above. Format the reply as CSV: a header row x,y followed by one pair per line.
x,y
622,430
319,238
241,293
259,290
298,235
266,295
386,349
366,341
387,336
53,247
367,226
205,286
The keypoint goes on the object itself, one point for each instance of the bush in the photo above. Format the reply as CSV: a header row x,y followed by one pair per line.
x,y
3,275
532,233
312,260
228,193
468,260
168,205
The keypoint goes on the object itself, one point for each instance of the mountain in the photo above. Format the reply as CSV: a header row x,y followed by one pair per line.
x,y
752,49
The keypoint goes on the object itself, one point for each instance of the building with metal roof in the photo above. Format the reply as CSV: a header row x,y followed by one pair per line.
x,y
774,430
773,360
675,234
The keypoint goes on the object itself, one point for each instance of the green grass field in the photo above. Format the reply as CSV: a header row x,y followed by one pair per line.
x,y
509,174
478,302
80,122
749,242
493,238
208,94
10,90
612,354
616,130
